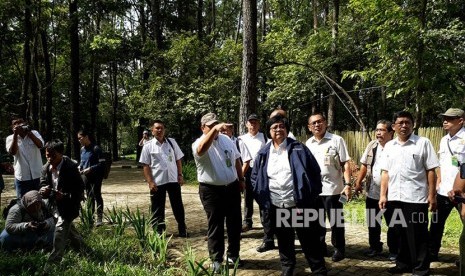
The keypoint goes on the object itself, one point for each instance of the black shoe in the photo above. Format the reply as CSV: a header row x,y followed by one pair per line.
x,y
457,263
266,246
398,270
233,261
392,257
337,256
183,234
373,253
246,228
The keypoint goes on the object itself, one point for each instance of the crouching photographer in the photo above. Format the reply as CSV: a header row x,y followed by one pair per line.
x,y
29,224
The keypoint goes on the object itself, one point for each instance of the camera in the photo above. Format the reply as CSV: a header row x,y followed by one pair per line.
x,y
26,128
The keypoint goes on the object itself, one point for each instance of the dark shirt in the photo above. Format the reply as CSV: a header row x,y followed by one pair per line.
x,y
91,157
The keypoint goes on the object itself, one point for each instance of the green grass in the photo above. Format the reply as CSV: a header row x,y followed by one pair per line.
x,y
452,230
126,245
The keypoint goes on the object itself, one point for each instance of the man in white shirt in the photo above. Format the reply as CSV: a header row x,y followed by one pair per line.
x,y
161,158
25,144
219,172
451,154
408,188
370,170
330,151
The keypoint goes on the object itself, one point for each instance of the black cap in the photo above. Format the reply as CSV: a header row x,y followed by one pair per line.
x,y
252,116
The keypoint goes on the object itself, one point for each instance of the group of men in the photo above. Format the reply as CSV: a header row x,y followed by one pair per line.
x,y
286,178
48,197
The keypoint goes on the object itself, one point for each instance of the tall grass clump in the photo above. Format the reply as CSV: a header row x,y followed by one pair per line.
x,y
116,218
87,216
140,223
189,170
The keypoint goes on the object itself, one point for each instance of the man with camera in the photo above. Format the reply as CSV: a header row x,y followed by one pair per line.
x,y
28,224
25,144
62,184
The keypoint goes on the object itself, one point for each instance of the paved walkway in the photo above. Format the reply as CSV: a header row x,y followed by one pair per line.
x,y
125,187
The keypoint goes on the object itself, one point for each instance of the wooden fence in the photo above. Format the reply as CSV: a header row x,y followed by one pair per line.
x,y
358,140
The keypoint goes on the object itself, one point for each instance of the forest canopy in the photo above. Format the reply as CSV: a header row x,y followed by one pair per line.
x,y
115,65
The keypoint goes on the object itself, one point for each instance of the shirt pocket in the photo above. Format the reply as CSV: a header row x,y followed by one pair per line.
x,y
416,161
158,161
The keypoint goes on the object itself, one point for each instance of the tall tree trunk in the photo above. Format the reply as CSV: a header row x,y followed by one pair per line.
x,y
263,20
334,52
239,20
27,60
200,20
420,89
315,15
74,63
35,87
114,119
95,94
47,132
156,24
249,64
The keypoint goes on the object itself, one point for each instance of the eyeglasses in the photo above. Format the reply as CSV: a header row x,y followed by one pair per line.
x,y
406,123
279,127
319,122
381,130
80,138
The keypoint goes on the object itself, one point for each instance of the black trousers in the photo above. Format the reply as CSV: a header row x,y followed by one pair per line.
x,y
438,220
222,203
413,251
94,192
374,230
158,200
248,199
308,236
333,207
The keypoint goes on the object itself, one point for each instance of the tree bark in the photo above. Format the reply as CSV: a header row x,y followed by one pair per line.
x,y
114,119
27,60
48,129
74,63
249,64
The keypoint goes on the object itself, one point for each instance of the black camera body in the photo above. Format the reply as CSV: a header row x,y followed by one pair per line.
x,y
26,128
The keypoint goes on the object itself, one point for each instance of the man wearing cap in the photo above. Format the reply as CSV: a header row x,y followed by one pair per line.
x,y
451,155
254,140
219,172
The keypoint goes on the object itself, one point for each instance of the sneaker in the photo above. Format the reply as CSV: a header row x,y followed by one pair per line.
x,y
216,267
184,234
372,253
235,260
398,270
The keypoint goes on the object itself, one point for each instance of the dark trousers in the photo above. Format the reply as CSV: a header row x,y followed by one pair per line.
x,y
268,230
413,251
374,230
331,205
308,236
22,187
94,193
248,199
438,220
222,203
158,200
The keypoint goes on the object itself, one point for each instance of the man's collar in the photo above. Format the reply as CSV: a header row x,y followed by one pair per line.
x,y
413,138
459,134
327,136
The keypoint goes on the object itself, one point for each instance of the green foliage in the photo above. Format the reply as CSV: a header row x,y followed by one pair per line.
x,y
116,218
87,216
189,170
140,224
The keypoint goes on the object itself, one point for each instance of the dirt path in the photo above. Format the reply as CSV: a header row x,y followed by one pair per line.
x,y
126,187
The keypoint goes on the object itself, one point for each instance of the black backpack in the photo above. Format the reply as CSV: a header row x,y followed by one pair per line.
x,y
12,203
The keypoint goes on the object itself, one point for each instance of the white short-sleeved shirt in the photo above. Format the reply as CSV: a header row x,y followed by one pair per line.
x,y
333,148
375,181
218,165
28,160
243,150
406,165
162,160
254,144
448,169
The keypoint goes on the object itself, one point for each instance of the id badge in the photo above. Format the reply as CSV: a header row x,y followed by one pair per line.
x,y
327,160
170,158
228,162
455,161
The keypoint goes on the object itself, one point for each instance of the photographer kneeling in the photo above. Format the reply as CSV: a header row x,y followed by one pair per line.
x,y
29,224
